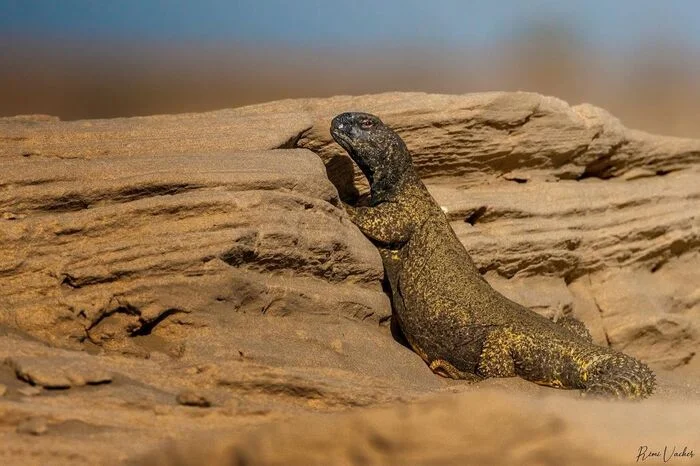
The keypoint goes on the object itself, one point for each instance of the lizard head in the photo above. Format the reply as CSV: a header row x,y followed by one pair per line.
x,y
376,149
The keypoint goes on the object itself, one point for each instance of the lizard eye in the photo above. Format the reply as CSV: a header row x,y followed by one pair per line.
x,y
366,123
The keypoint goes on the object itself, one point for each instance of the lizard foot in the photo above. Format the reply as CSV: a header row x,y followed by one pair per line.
x,y
447,370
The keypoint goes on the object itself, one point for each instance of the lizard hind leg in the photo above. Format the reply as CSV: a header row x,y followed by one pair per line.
x,y
496,358
575,326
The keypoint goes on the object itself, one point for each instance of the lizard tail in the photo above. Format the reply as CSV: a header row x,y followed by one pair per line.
x,y
619,375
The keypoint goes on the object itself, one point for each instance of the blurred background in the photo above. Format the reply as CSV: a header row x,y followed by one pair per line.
x,y
91,59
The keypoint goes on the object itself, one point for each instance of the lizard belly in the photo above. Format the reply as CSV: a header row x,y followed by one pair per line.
x,y
436,315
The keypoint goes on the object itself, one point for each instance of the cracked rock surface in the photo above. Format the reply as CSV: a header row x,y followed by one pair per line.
x,y
151,267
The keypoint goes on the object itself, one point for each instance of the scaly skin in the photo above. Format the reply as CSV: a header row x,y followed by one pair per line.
x,y
450,315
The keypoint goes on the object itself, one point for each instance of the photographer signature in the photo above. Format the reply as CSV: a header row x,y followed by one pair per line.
x,y
666,454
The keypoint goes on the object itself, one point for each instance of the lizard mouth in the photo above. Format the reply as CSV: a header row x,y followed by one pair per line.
x,y
343,140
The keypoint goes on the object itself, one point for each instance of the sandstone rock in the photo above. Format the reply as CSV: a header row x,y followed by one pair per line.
x,y
193,398
57,372
475,137
285,370
33,426
654,315
571,228
193,133
29,391
110,248
173,252
478,137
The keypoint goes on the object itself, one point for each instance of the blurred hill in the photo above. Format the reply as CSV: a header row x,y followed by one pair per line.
x,y
652,86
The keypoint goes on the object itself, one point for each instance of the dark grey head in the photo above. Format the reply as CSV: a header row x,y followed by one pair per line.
x,y
376,149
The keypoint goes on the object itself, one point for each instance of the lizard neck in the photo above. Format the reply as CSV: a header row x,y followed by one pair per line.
x,y
387,186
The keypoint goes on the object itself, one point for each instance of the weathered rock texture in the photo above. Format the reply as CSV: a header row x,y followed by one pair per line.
x,y
514,136
101,250
146,261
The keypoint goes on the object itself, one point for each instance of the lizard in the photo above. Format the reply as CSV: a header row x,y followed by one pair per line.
x,y
449,314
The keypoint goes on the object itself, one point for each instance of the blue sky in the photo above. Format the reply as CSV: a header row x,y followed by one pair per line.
x,y
601,23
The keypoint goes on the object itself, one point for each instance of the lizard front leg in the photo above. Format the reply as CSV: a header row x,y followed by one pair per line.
x,y
442,367
387,224
496,357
